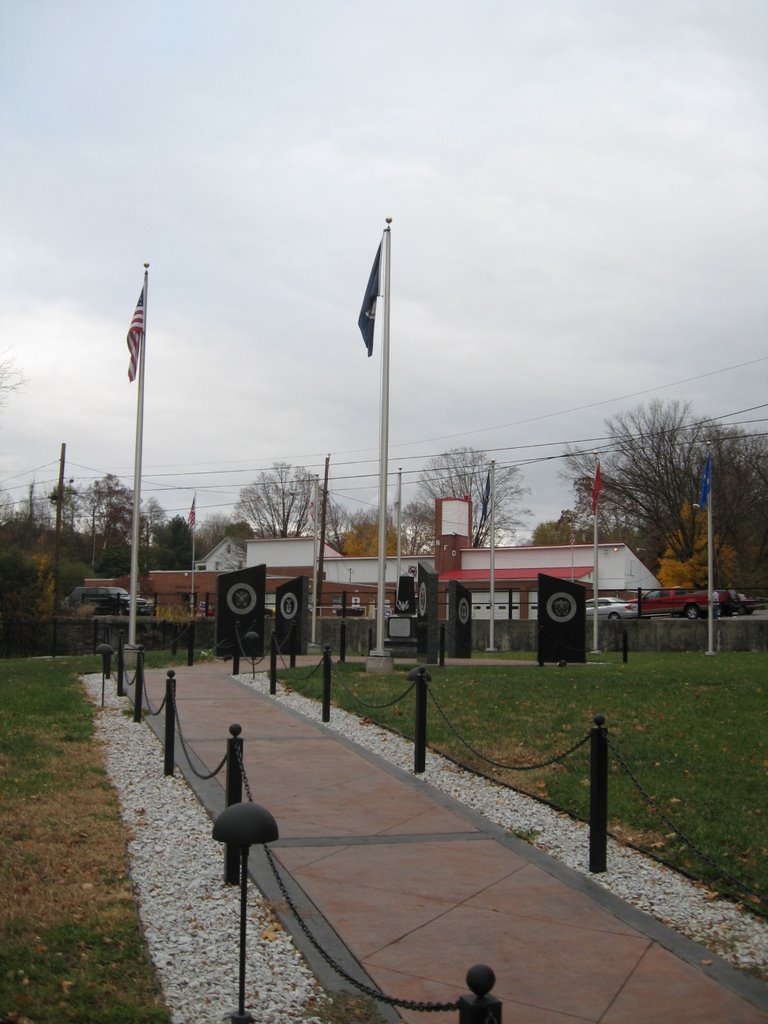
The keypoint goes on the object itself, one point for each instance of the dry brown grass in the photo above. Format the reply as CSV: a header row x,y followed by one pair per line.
x,y
70,946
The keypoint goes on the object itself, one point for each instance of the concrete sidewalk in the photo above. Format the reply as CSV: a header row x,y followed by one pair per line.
x,y
406,888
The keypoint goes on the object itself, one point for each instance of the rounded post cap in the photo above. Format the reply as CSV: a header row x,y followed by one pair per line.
x,y
245,824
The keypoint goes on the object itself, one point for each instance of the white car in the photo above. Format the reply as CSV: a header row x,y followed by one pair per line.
x,y
611,608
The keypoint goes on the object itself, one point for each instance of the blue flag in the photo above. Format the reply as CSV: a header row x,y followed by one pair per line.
x,y
367,319
706,482
486,496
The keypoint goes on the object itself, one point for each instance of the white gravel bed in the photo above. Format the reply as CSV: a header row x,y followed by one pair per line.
x,y
191,920
735,935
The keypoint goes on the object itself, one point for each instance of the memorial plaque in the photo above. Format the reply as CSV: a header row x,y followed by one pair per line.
x,y
405,603
240,608
291,608
562,620
459,621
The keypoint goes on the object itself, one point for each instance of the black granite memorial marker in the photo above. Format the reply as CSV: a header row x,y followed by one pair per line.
x,y
240,608
459,621
562,620
291,606
427,635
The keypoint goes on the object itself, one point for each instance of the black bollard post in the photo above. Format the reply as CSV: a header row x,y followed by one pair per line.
x,y
106,653
624,647
480,1008
120,666
598,796
170,721
236,658
240,826
273,664
441,655
326,716
292,644
138,689
343,642
421,677
234,795
191,644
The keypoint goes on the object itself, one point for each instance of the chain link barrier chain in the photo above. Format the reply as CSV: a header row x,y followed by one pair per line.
x,y
309,674
374,993
254,661
363,703
406,1004
243,775
657,811
200,775
498,764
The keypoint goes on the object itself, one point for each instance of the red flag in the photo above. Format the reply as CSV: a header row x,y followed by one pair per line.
x,y
135,335
597,486
192,514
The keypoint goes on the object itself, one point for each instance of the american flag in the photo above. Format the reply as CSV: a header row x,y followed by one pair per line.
x,y
192,514
135,334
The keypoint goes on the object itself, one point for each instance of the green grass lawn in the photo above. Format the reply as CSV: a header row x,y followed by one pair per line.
x,y
71,948
693,730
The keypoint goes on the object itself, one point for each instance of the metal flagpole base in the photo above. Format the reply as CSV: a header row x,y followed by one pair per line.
x,y
380,663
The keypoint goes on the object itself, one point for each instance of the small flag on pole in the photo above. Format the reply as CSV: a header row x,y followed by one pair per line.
x,y
367,319
486,498
597,486
135,335
192,514
706,482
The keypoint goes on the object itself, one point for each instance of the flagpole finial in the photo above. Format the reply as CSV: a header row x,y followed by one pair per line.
x,y
388,220
146,266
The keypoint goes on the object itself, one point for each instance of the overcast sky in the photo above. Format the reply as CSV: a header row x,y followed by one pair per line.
x,y
579,198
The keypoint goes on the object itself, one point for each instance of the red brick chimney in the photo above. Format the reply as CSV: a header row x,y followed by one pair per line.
x,y
453,530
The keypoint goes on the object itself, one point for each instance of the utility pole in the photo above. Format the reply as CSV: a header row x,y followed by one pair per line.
x,y
57,535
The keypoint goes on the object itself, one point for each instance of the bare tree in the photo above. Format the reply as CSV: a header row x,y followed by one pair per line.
x,y
11,377
651,470
337,523
108,505
417,528
278,503
464,471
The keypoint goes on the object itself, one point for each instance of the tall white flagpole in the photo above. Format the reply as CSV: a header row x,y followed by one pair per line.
x,y
710,565
492,573
137,472
383,448
596,570
399,518
193,523
315,498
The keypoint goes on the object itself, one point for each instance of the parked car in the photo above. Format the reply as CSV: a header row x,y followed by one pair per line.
x,y
611,608
746,605
107,601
